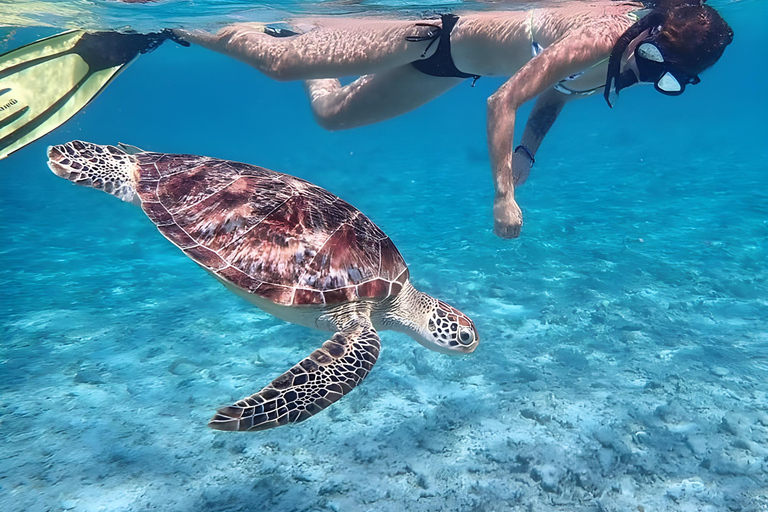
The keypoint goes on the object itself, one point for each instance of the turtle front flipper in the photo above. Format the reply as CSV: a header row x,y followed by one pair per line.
x,y
329,373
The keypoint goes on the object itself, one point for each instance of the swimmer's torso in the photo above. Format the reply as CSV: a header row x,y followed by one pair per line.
x,y
499,43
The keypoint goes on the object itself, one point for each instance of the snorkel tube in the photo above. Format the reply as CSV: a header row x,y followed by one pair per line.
x,y
652,19
688,37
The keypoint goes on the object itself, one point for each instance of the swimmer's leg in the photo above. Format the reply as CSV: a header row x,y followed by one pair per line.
x,y
332,48
373,98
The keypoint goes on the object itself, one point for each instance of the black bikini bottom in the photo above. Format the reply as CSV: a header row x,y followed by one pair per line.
x,y
441,62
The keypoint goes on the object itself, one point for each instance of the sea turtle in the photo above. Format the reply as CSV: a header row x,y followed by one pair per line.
x,y
291,248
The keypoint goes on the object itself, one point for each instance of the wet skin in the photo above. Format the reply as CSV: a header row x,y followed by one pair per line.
x,y
576,38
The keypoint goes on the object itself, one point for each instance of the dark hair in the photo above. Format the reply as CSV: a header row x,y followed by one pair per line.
x,y
692,37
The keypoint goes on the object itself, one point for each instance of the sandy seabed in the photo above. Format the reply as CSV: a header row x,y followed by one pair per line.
x,y
617,374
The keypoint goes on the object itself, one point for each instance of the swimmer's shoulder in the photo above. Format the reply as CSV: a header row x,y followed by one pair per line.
x,y
605,19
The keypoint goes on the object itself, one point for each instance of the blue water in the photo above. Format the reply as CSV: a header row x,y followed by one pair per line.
x,y
624,345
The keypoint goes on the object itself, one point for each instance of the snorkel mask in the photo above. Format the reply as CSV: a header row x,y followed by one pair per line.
x,y
668,48
654,69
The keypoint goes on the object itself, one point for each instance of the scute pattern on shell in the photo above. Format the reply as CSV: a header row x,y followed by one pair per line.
x,y
268,233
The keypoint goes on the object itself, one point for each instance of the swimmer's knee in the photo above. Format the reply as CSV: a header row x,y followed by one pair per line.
x,y
334,120
493,101
332,123
325,108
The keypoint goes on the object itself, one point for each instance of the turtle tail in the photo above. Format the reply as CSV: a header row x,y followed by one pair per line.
x,y
106,168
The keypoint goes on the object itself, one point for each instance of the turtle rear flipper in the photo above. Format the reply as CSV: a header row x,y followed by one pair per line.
x,y
106,168
329,373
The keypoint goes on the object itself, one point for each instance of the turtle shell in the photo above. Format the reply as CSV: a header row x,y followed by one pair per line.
x,y
270,234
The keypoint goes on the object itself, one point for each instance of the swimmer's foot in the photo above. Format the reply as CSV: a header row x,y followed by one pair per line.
x,y
227,35
198,37
507,218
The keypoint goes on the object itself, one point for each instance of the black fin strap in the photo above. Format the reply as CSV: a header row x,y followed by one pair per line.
x,y
154,39
431,36
170,34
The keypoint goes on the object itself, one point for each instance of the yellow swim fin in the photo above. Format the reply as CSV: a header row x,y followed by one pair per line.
x,y
45,83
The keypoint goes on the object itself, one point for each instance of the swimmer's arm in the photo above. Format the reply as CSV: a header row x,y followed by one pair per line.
x,y
545,111
574,53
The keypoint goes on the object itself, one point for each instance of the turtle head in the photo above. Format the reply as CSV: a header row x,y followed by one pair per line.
x,y
449,330
433,323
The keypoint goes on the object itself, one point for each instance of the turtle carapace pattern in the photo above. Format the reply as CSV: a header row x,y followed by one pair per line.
x,y
291,248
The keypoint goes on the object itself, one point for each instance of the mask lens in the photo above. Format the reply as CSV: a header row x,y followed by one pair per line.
x,y
650,52
669,85
654,69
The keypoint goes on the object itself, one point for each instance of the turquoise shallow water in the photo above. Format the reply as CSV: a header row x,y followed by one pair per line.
x,y
624,335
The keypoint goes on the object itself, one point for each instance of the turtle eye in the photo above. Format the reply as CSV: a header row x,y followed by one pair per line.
x,y
466,337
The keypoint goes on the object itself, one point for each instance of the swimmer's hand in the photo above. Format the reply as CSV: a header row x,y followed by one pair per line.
x,y
522,161
507,217
521,168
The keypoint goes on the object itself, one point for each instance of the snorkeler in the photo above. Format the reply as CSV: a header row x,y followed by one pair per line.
x,y
557,54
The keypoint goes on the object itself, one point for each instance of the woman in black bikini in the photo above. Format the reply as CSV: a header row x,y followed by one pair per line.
x,y
555,53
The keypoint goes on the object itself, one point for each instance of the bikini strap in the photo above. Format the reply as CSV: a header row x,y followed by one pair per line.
x,y
432,36
448,21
